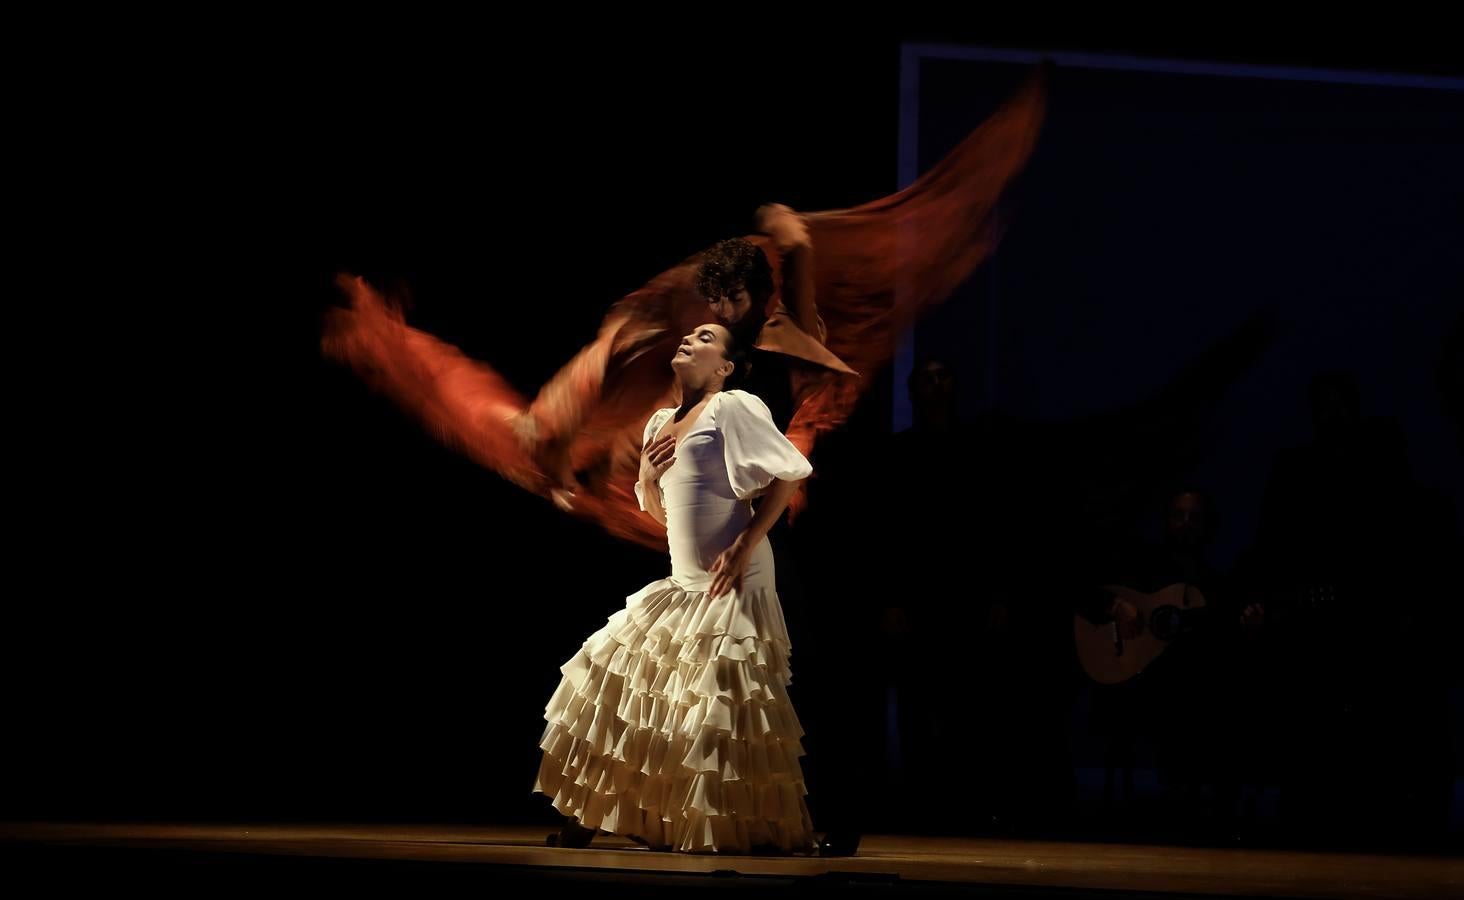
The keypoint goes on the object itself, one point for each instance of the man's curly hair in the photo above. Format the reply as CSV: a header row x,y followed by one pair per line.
x,y
732,265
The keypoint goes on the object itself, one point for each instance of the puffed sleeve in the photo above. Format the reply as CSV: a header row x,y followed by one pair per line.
x,y
757,452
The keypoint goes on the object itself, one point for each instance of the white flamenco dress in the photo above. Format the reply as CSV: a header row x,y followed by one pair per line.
x,y
672,722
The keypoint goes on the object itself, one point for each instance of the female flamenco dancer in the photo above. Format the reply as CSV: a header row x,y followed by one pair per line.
x,y
672,723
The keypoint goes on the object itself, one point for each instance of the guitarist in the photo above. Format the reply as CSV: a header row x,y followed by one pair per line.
x,y
1183,704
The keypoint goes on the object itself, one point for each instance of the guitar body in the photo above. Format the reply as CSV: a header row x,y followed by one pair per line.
x,y
1109,658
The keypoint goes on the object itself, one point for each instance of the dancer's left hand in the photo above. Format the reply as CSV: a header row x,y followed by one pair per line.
x,y
730,566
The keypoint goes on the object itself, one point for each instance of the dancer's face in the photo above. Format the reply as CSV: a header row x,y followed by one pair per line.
x,y
729,310
702,356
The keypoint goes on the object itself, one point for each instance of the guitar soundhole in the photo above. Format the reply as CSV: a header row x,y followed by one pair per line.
x,y
1164,622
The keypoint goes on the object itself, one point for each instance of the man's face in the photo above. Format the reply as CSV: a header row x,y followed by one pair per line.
x,y
934,388
730,309
1187,523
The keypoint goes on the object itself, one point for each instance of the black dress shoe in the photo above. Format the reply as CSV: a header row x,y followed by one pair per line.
x,y
839,843
573,835
647,844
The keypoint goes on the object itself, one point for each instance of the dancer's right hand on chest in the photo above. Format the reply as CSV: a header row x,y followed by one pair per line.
x,y
656,458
